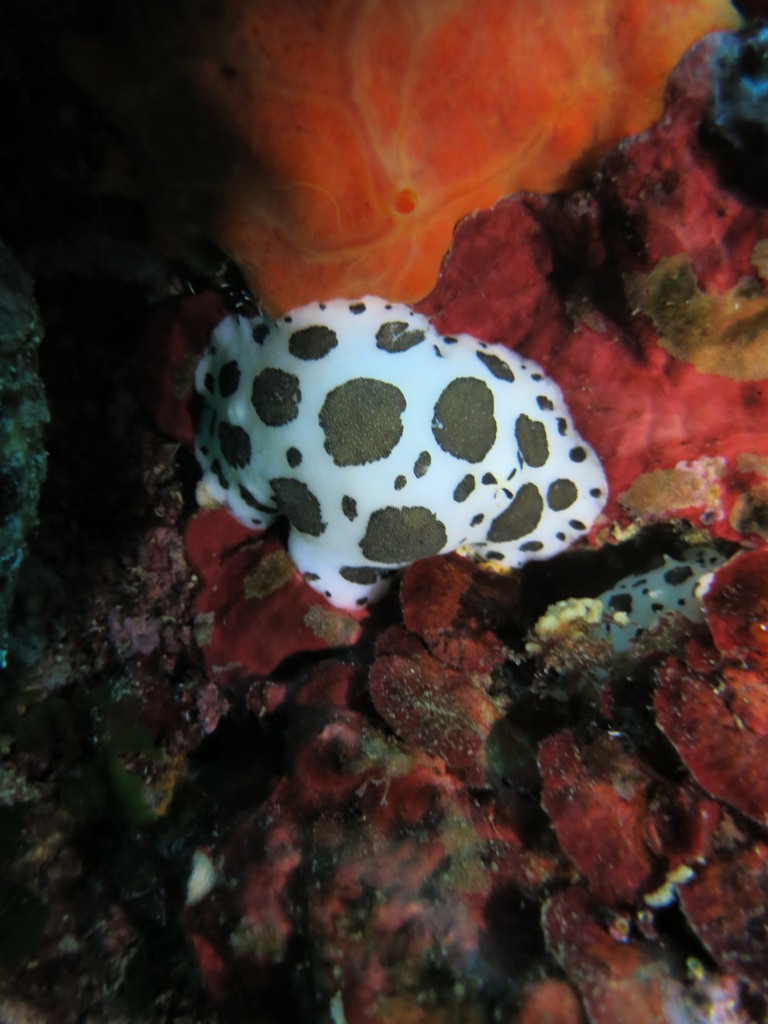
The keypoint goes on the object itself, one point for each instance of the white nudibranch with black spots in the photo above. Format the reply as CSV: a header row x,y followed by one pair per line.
x,y
638,601
383,442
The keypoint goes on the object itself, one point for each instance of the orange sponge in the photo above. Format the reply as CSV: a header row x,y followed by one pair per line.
x,y
330,146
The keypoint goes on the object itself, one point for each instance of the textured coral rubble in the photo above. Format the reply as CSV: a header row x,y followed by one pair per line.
x,y
98,707
409,816
411,863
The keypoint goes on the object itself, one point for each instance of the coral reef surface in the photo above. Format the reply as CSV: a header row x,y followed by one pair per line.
x,y
222,798
330,148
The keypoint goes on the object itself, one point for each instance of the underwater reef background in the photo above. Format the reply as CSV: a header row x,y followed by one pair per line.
x,y
222,798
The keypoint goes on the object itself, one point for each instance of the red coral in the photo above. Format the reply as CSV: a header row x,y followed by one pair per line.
x,y
746,694
615,819
619,981
379,858
455,608
599,810
211,965
253,609
726,907
553,1002
736,608
726,759
436,709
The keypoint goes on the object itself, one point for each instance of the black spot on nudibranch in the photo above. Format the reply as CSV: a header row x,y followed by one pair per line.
x,y
397,336
219,474
398,536
312,342
254,503
275,396
361,421
497,366
476,519
463,423
620,603
356,308
422,464
229,378
235,445
349,507
678,574
209,382
260,332
489,478
362,574
400,482
531,437
544,403
561,494
577,454
522,516
299,505
465,488
532,545
293,457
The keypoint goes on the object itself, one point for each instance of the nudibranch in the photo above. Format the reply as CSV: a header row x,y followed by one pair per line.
x,y
638,601
383,442
331,147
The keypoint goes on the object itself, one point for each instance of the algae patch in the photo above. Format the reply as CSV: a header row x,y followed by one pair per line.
x,y
724,334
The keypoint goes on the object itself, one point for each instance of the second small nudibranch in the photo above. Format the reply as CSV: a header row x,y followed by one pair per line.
x,y
383,442
637,602
641,612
